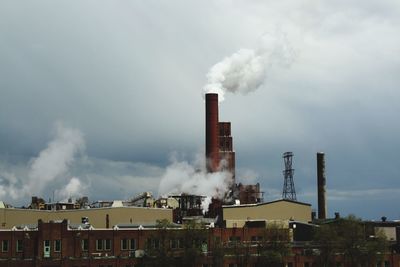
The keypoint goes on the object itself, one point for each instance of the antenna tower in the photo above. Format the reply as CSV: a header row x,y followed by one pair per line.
x,y
288,187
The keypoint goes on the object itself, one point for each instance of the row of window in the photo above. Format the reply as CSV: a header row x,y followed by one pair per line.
x,y
56,245
105,244
154,243
253,239
101,244
5,245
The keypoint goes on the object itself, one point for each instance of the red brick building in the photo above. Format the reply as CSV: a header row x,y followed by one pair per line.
x,y
62,244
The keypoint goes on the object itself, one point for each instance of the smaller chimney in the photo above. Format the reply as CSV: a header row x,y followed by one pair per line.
x,y
321,181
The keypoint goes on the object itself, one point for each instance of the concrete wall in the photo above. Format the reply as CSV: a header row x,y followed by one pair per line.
x,y
97,217
277,210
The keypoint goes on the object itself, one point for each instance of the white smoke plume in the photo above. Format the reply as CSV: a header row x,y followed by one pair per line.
x,y
54,161
205,204
184,177
246,70
48,169
74,188
9,185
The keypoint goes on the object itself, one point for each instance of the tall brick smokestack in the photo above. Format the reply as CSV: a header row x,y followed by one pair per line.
x,y
212,133
321,181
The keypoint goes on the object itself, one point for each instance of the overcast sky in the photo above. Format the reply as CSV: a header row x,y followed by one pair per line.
x,y
98,98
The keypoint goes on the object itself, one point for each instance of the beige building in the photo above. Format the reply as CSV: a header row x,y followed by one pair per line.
x,y
279,210
98,217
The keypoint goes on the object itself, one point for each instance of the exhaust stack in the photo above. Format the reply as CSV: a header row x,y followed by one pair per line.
x,y
321,181
212,132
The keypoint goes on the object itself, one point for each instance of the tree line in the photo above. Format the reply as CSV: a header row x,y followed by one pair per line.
x,y
346,240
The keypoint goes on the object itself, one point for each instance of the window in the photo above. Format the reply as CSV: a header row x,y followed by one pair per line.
x,y
177,243
57,245
181,243
103,244
107,244
128,244
289,264
306,264
4,246
19,246
234,239
124,244
85,244
132,244
387,264
153,243
46,248
156,243
174,243
99,244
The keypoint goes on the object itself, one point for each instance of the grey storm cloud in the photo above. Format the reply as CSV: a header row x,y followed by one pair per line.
x,y
129,78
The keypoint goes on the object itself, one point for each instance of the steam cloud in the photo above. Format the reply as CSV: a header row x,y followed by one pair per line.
x,y
50,170
56,158
73,188
184,177
246,70
50,166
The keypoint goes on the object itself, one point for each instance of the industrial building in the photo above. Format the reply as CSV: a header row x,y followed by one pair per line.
x,y
97,217
279,210
238,229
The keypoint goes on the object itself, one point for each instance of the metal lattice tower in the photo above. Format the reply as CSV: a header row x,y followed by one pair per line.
x,y
288,187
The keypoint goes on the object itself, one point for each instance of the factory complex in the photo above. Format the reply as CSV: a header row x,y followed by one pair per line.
x,y
238,229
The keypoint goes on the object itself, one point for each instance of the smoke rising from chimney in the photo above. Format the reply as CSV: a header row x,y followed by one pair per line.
x,y
246,70
73,188
192,178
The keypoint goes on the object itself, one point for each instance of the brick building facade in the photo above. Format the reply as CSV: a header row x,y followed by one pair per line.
x,y
61,244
